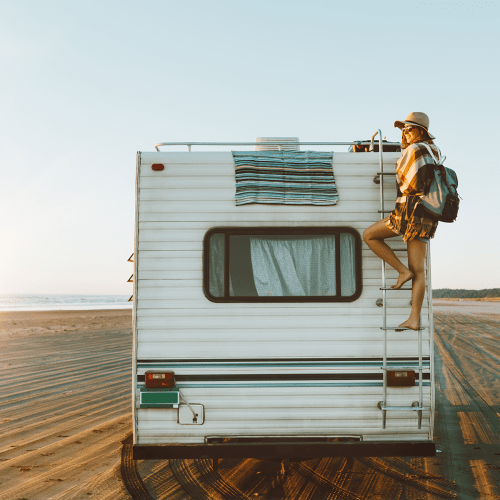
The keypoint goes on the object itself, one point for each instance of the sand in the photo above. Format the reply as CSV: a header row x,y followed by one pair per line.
x,y
65,408
477,307
64,403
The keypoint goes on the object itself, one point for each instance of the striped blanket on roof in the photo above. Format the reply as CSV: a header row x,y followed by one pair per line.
x,y
415,171
285,177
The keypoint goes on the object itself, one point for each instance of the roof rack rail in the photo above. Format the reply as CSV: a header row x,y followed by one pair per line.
x,y
189,144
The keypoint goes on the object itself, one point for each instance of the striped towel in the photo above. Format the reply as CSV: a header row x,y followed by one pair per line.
x,y
285,177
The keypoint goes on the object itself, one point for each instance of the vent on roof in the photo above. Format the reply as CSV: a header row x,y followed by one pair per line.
x,y
288,144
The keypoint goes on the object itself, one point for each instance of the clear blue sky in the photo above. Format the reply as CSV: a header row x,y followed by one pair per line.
x,y
84,85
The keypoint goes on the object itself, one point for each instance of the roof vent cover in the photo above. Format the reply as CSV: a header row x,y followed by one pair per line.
x,y
288,144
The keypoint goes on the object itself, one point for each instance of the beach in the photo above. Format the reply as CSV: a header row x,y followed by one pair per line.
x,y
64,403
468,306
65,408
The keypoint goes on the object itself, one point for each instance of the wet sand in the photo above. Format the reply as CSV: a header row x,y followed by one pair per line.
x,y
65,407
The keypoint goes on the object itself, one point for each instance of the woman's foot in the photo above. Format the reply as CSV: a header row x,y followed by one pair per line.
x,y
403,278
409,324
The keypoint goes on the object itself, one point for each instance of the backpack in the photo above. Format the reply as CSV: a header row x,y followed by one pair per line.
x,y
440,201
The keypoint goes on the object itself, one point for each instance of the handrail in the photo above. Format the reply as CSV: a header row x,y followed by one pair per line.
x,y
382,404
353,143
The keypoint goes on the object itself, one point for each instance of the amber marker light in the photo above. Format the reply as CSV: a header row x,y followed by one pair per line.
x,y
159,379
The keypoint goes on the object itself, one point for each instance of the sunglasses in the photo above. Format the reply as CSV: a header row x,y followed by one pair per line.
x,y
408,129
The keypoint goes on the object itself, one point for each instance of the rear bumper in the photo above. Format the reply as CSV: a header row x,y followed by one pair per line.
x,y
286,450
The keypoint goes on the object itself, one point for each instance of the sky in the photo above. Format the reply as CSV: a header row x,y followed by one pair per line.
x,y
85,85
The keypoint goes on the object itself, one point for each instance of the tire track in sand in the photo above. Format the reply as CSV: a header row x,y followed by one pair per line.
x,y
65,407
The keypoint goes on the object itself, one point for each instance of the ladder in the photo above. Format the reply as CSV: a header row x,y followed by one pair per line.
x,y
382,405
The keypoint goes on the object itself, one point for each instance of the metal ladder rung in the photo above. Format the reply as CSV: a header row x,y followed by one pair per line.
x,y
386,173
400,328
395,289
403,408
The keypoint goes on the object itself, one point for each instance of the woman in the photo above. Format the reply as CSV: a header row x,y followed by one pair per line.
x,y
414,173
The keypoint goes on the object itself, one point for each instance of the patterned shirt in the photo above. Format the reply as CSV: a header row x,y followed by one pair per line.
x,y
415,171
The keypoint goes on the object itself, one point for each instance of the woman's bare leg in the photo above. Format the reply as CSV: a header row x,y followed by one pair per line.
x,y
416,261
374,237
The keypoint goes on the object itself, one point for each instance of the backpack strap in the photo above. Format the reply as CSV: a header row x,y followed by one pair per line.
x,y
440,159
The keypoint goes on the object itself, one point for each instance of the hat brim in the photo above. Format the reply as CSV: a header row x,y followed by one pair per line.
x,y
401,125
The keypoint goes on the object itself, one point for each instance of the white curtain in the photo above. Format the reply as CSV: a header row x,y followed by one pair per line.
x,y
302,267
347,265
294,267
216,265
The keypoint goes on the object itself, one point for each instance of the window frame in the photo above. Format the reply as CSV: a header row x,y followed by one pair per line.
x,y
283,231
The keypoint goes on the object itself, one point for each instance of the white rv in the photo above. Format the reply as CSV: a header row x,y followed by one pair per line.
x,y
223,368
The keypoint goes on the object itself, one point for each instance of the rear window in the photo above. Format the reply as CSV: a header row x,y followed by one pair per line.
x,y
282,264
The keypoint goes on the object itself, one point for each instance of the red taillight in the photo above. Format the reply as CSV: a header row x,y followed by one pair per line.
x,y
157,166
159,379
400,378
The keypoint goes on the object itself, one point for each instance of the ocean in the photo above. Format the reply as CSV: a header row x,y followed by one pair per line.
x,y
58,302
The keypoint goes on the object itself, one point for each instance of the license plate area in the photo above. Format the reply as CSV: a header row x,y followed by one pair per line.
x,y
159,398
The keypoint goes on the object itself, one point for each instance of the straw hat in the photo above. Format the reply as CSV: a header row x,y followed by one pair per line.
x,y
419,119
